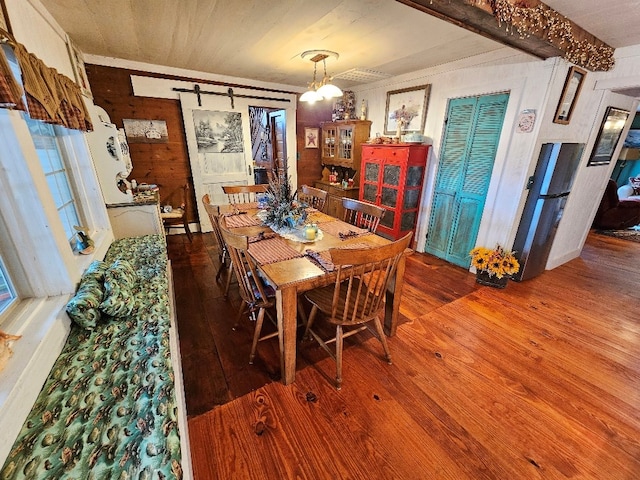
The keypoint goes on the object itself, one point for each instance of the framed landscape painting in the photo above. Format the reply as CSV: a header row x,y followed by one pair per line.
x,y
610,130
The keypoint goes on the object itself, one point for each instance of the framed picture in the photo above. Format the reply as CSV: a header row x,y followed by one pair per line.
x,y
608,136
145,131
408,107
4,18
311,137
570,92
77,62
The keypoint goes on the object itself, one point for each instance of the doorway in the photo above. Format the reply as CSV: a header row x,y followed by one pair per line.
x,y
469,145
268,141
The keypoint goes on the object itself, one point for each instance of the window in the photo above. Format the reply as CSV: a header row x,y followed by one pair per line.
x,y
50,155
7,293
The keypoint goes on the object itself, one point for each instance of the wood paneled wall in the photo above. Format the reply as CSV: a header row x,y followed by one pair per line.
x,y
309,164
167,164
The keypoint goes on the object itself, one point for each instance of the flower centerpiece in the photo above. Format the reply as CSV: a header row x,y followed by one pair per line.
x,y
494,267
283,210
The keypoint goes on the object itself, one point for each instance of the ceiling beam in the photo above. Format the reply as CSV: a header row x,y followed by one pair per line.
x,y
527,25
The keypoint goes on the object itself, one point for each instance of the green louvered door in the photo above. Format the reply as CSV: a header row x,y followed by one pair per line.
x,y
466,162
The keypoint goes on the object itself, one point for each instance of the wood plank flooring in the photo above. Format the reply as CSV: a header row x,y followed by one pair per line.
x,y
540,380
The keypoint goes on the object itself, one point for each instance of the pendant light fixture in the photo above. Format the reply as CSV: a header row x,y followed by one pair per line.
x,y
312,95
324,89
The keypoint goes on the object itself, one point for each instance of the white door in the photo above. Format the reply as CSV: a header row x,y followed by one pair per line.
x,y
219,144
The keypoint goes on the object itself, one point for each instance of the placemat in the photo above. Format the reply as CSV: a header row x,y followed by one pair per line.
x,y
241,220
343,230
323,258
272,250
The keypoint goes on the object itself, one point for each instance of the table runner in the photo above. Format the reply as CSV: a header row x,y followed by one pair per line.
x,y
244,206
241,220
343,230
272,250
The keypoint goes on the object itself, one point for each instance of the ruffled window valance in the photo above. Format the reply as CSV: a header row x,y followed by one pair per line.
x,y
50,96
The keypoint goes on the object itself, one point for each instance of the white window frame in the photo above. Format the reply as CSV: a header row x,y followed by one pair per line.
x,y
43,268
63,171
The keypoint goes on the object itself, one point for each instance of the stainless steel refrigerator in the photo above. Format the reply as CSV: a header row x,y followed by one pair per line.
x,y
549,188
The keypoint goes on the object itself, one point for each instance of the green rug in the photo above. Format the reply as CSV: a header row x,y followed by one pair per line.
x,y
628,234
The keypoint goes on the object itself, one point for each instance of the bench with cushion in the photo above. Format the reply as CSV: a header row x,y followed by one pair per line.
x,y
110,406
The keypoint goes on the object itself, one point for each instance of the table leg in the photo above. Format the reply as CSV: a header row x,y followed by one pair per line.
x,y
394,296
286,303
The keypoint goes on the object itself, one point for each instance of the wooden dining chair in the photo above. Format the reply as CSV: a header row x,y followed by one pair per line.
x,y
243,193
257,295
357,298
362,214
177,217
314,197
213,211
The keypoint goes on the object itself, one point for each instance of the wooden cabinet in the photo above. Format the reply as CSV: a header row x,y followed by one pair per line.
x,y
333,205
392,177
341,142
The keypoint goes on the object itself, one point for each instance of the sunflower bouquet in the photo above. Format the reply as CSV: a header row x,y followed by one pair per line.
x,y
497,262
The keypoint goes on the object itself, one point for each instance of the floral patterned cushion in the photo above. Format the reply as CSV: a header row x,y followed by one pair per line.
x,y
96,270
120,289
108,407
83,308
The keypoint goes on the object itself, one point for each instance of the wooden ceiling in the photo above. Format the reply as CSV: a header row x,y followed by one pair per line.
x,y
263,41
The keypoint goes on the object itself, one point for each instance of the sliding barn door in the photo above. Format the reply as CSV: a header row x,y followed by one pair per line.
x,y
469,148
219,143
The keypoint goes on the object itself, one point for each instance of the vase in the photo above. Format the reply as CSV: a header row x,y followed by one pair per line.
x,y
483,278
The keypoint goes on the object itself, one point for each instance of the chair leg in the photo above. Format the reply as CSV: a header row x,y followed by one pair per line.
x,y
241,310
256,335
223,263
187,230
339,342
383,339
301,312
228,284
312,317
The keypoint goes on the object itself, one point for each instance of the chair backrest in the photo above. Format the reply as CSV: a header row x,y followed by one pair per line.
x,y
314,197
252,289
362,280
361,214
179,212
213,211
243,193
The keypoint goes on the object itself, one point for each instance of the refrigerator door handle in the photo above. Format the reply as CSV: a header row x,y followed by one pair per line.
x,y
555,195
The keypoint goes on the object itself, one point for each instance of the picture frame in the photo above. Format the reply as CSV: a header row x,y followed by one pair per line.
x,y
79,70
145,130
608,137
570,91
311,137
5,25
409,104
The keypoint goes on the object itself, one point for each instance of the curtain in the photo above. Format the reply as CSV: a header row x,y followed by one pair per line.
x,y
51,96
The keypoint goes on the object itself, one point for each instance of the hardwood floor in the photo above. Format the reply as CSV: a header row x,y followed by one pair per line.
x,y
540,380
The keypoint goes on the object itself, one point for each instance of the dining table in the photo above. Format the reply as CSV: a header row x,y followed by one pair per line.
x,y
293,264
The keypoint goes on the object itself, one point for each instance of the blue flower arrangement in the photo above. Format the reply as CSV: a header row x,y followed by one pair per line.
x,y
283,210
